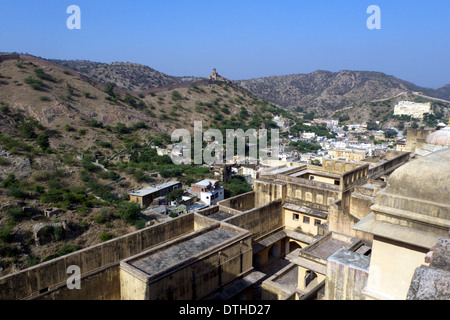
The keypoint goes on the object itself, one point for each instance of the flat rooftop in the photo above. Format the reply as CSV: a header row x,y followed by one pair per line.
x,y
308,211
329,244
173,255
318,173
206,182
149,190
219,216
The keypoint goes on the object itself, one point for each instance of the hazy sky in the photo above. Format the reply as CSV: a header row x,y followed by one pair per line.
x,y
241,38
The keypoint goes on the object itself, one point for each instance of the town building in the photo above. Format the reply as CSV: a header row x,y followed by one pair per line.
x,y
146,196
208,191
413,109
305,232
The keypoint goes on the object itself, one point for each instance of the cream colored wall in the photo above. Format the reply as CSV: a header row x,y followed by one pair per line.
x,y
131,288
309,228
312,284
391,270
323,179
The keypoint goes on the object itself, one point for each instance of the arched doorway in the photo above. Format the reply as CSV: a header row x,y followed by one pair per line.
x,y
309,277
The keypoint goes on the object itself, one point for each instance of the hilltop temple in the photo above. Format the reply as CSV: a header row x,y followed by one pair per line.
x,y
215,76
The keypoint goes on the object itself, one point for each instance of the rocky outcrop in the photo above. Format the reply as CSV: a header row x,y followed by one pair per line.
x,y
433,282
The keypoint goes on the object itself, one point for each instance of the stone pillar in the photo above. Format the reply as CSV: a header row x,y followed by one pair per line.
x,y
347,274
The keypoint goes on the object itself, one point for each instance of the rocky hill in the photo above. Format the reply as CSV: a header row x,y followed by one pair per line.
x,y
330,91
129,76
69,142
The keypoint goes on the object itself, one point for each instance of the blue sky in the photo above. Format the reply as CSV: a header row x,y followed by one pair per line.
x,y
243,39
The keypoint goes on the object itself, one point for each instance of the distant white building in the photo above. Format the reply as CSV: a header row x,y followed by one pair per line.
x,y
413,109
308,135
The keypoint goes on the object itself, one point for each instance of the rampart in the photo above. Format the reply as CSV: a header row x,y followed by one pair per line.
x,y
52,274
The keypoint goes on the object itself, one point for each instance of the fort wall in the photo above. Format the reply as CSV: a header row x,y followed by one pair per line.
x,y
51,274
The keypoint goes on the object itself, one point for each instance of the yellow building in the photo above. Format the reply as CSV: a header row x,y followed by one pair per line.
x,y
408,218
413,109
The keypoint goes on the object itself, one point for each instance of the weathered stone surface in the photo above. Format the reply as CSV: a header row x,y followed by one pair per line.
x,y
429,284
19,166
441,255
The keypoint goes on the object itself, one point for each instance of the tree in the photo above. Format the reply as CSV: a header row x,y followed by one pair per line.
x,y
372,125
43,142
129,211
309,116
175,195
110,89
27,130
129,99
236,186
390,133
344,117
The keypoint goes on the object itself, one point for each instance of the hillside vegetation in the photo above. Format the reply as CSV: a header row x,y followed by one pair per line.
x,y
70,143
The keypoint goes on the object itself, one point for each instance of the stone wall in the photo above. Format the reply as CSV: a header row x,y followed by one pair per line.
x,y
103,284
51,274
267,191
338,166
388,166
241,202
342,221
415,139
194,278
261,220
13,56
347,274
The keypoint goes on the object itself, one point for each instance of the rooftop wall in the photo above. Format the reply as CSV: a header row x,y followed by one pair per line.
x,y
194,277
53,273
241,202
347,274
261,220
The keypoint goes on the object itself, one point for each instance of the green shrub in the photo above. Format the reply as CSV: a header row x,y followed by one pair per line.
x,y
105,144
43,142
44,76
5,109
99,218
16,192
12,144
129,211
27,130
66,249
105,236
58,233
44,98
35,84
31,261
14,214
140,224
176,96
4,162
6,234
69,128
10,181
